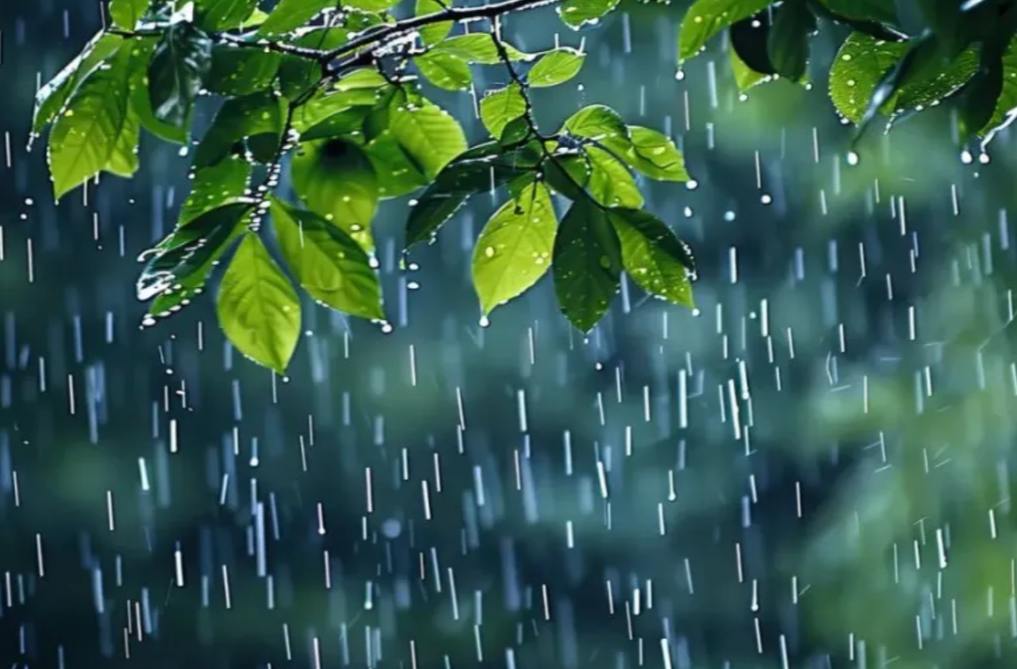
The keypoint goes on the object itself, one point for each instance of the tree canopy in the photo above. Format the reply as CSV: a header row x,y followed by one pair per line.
x,y
337,95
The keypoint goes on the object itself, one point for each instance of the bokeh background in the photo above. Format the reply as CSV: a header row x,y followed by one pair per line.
x,y
810,470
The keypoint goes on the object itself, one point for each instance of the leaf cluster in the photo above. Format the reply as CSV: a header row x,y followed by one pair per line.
x,y
336,95
962,52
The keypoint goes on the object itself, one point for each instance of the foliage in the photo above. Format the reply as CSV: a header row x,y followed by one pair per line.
x,y
961,52
333,98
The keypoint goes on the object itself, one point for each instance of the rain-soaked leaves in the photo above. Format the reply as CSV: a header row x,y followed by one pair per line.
x,y
177,72
214,186
327,262
53,96
289,15
434,32
257,307
88,131
864,64
514,249
653,256
241,70
555,68
337,181
444,70
596,122
789,39
499,107
578,13
223,14
428,133
586,263
127,13
254,121
706,18
479,49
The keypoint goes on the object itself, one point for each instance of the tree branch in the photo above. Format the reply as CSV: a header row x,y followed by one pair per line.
x,y
453,14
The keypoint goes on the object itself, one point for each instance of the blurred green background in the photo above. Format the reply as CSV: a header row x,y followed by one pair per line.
x,y
811,470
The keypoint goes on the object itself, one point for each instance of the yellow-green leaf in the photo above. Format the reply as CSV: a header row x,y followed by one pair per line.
x,y
706,18
257,307
514,249
555,68
434,32
329,264
444,70
86,133
500,107
336,180
657,260
428,133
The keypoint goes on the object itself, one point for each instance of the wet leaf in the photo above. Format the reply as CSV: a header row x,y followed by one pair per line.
x,y
650,152
610,182
257,307
53,96
1007,100
879,11
428,134
597,122
514,248
397,175
499,107
289,15
141,103
578,13
555,68
182,60
212,187
127,13
220,15
586,264
789,39
239,71
336,180
745,77
653,256
706,18
444,70
341,123
329,264
85,135
256,120
434,32
479,49
123,160
482,169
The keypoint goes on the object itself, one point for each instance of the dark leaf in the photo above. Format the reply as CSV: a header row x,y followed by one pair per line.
x,y
789,38
177,72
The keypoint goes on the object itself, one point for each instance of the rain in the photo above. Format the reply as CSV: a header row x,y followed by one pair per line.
x,y
810,469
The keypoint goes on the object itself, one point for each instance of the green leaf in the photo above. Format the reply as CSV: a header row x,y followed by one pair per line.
x,y
434,32
87,132
586,264
499,107
140,103
555,68
745,77
706,18
187,255
481,169
597,122
127,13
1007,100
578,13
177,72
365,87
570,176
344,122
217,15
878,11
610,183
480,49
657,260
428,134
789,38
371,5
327,262
444,70
514,249
239,71
52,97
335,179
863,66
123,160
650,152
397,175
257,307
297,74
212,187
976,100
289,15
191,278
256,119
